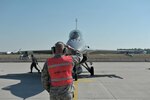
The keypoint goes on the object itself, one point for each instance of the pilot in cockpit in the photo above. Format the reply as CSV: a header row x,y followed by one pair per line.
x,y
74,35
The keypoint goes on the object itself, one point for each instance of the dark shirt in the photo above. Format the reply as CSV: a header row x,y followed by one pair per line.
x,y
34,60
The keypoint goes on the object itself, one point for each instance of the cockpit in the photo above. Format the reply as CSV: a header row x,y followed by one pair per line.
x,y
75,34
75,40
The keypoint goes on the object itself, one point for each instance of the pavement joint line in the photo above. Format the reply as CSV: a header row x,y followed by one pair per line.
x,y
101,83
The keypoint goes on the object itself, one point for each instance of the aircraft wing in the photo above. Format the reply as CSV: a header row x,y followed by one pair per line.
x,y
36,51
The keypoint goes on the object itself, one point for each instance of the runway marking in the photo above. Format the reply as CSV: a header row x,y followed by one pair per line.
x,y
86,80
76,91
76,86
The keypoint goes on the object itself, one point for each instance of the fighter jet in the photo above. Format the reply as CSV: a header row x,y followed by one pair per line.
x,y
76,42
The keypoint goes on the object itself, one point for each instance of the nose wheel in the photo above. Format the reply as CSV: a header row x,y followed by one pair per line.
x,y
75,75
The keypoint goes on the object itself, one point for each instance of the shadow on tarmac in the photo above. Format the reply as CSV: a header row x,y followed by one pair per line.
x,y
30,84
106,75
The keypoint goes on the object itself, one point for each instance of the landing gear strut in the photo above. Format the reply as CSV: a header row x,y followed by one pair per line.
x,y
90,69
85,65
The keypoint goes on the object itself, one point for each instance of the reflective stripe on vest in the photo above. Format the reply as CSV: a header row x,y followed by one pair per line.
x,y
60,71
58,65
61,79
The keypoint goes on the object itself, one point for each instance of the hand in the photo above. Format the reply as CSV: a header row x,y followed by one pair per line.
x,y
69,47
78,53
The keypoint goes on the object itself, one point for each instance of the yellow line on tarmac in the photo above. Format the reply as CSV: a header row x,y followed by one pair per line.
x,y
86,80
76,86
76,90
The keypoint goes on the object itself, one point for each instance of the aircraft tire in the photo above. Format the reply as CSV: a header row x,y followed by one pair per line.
x,y
92,71
76,77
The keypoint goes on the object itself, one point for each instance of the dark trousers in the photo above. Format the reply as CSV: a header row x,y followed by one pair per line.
x,y
34,65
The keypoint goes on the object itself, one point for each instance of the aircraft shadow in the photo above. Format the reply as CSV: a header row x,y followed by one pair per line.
x,y
29,85
95,76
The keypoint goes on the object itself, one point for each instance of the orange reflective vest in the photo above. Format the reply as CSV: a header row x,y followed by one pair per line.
x,y
60,71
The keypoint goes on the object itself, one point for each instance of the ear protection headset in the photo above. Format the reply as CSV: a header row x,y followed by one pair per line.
x,y
54,48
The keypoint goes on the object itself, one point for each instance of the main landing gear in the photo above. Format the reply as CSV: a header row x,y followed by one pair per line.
x,y
89,69
78,70
85,65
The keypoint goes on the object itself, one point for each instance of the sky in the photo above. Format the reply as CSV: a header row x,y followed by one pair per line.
x,y
104,24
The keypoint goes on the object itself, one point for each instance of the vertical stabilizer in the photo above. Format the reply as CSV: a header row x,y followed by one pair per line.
x,y
76,23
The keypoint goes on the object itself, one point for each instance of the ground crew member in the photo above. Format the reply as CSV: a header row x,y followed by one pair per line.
x,y
33,64
57,74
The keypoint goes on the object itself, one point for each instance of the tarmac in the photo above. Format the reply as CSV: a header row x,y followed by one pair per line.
x,y
112,81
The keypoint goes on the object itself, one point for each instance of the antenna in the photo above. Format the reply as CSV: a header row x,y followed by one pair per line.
x,y
76,23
